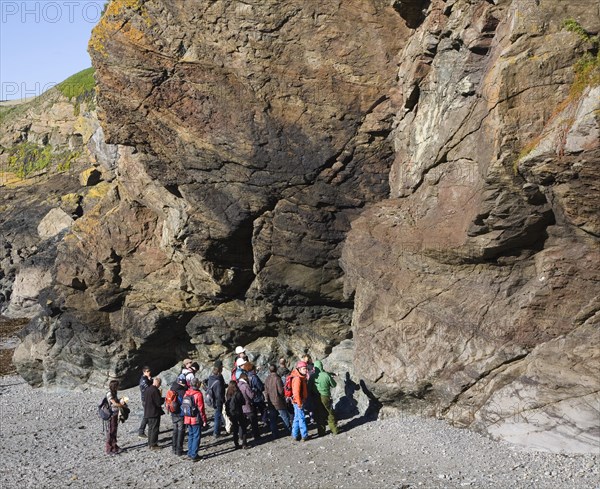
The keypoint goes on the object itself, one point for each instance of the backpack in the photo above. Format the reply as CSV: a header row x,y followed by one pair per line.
x,y
257,387
233,406
105,412
287,387
172,402
181,377
209,397
188,407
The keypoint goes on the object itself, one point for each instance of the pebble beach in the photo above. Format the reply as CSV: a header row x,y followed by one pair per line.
x,y
53,438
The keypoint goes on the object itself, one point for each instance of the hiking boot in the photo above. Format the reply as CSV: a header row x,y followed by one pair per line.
x,y
154,447
195,459
141,434
305,438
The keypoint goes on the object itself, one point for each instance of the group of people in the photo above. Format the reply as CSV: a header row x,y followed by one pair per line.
x,y
240,404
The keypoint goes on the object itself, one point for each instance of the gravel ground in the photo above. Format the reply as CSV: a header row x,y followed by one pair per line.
x,y
54,439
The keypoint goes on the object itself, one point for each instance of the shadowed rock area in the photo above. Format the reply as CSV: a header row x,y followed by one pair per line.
x,y
421,177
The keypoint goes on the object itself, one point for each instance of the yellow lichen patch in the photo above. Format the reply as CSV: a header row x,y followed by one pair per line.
x,y
99,191
8,178
113,20
85,127
115,7
134,35
70,199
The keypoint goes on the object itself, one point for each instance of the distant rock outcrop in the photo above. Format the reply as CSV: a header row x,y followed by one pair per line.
x,y
418,176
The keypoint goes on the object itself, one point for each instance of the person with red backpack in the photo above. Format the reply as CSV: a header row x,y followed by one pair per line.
x,y
192,407
299,396
173,404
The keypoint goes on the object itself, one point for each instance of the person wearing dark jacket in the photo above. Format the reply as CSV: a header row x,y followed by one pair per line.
x,y
153,411
179,387
145,381
276,400
248,408
234,402
216,387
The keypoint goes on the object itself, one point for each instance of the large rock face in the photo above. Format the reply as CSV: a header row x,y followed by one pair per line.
x,y
249,138
432,146
476,284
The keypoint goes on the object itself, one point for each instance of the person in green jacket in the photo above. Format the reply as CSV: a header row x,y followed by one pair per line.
x,y
320,383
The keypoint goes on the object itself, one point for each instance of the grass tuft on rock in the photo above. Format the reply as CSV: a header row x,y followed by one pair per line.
x,y
80,84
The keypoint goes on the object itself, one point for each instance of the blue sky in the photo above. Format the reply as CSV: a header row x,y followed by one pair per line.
x,y
42,42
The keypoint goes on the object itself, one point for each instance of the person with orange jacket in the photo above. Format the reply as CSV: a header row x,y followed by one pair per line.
x,y
299,396
193,422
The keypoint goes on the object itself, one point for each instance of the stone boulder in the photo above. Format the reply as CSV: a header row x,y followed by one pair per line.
x,y
53,223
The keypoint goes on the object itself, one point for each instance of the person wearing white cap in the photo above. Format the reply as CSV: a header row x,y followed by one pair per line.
x,y
240,353
239,368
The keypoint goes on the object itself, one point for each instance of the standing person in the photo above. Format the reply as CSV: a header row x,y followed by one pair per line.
x,y
276,401
239,359
115,403
194,421
179,388
257,387
248,407
282,370
188,372
239,369
320,384
300,394
216,387
234,402
310,404
153,401
145,381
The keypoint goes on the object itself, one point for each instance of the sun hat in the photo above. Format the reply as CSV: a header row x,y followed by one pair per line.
x,y
239,349
301,364
239,362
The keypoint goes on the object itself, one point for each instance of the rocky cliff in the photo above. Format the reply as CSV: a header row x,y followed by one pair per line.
x,y
418,176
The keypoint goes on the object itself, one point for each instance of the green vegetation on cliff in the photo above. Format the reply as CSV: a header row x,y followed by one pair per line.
x,y
29,158
80,87
587,68
79,84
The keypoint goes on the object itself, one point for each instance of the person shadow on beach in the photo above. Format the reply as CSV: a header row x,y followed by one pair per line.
x,y
349,407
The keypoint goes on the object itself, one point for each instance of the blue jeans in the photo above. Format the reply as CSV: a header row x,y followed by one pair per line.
x,y
299,424
283,414
218,419
194,434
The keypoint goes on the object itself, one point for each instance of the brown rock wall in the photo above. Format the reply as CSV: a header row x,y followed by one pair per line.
x,y
466,283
